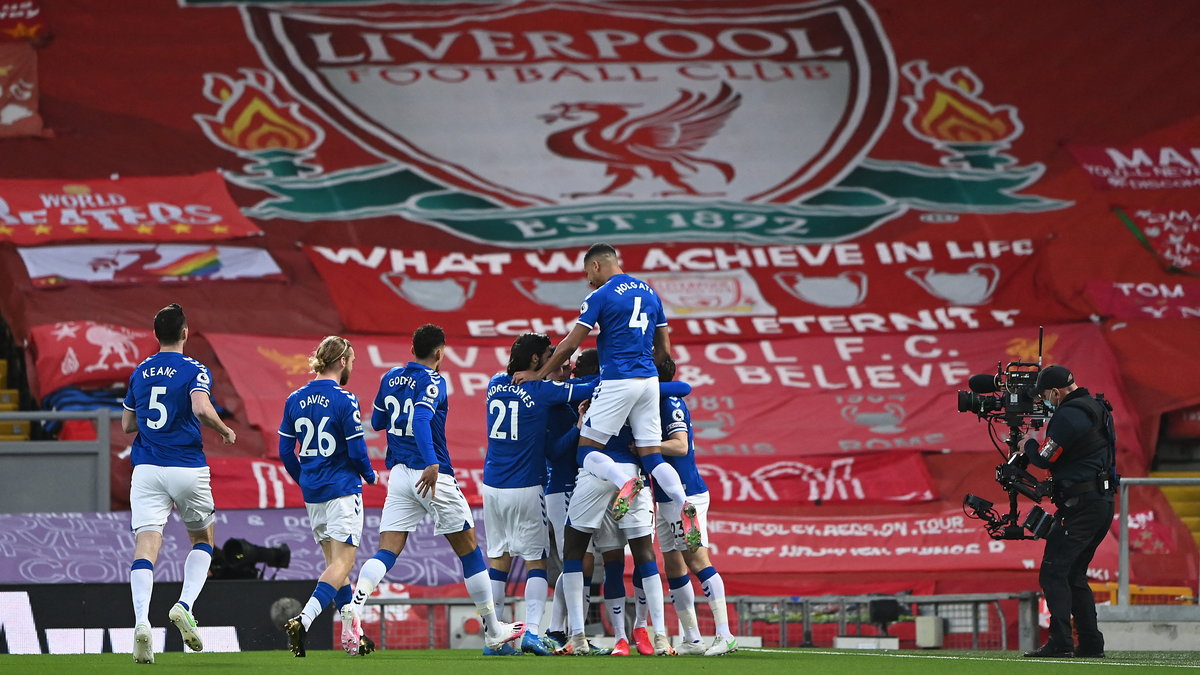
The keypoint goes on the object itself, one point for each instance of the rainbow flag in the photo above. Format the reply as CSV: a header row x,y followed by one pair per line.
x,y
199,264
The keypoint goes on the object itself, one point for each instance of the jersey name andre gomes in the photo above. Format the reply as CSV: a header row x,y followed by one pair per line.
x,y
517,419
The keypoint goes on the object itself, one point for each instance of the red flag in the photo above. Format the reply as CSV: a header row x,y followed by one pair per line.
x,y
85,353
18,90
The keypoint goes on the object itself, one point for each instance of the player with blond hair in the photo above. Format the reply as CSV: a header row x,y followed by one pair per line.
x,y
329,467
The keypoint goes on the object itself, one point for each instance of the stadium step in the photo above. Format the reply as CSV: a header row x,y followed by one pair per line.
x,y
1185,499
17,430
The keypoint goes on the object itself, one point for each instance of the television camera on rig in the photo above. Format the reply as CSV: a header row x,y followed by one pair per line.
x,y
1010,396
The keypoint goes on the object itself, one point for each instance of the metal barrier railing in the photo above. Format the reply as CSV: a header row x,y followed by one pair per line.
x,y
28,474
975,621
1123,564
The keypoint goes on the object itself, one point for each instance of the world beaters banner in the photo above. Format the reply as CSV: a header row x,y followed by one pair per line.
x,y
828,395
164,209
730,292
870,478
124,264
86,354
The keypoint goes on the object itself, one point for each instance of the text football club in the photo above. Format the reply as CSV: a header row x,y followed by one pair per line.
x,y
559,124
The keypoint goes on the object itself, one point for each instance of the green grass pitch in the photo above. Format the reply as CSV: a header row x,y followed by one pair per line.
x,y
747,661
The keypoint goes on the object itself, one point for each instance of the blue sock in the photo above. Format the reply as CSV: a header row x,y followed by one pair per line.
x,y
646,569
344,596
324,593
472,563
704,574
649,462
386,557
614,579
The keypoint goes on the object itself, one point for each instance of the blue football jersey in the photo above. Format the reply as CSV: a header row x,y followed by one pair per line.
x,y
676,417
628,311
517,417
322,417
160,394
401,391
561,468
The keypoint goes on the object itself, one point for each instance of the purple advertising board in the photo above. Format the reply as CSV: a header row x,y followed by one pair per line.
x,y
55,548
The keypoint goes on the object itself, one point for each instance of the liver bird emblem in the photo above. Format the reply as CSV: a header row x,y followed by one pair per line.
x,y
663,144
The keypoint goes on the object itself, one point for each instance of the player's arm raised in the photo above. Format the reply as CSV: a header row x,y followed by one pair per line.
x,y
562,352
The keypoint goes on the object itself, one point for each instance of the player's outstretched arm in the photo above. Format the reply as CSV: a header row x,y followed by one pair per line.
x,y
674,388
204,411
562,352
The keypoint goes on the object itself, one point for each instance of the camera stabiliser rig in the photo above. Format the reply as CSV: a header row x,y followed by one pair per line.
x,y
1010,397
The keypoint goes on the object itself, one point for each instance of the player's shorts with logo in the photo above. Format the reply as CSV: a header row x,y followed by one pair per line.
x,y
403,509
591,506
669,527
515,521
615,401
153,490
339,519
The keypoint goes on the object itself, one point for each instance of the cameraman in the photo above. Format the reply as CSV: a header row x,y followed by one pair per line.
x,y
1078,451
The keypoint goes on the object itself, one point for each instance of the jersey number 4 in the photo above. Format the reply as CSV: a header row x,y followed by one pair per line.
x,y
638,318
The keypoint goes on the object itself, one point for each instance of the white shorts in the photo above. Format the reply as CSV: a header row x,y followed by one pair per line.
x,y
556,513
154,489
339,519
403,510
514,521
591,505
616,401
670,528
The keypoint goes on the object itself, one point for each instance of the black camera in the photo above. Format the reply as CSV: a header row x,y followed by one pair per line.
x,y
1038,522
1010,396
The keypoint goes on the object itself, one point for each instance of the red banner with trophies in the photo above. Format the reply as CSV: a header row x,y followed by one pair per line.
x,y
727,292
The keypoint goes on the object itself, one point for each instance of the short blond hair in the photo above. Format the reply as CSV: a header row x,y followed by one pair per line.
x,y
327,353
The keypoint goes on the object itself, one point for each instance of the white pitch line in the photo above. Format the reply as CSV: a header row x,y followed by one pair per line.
x,y
949,657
